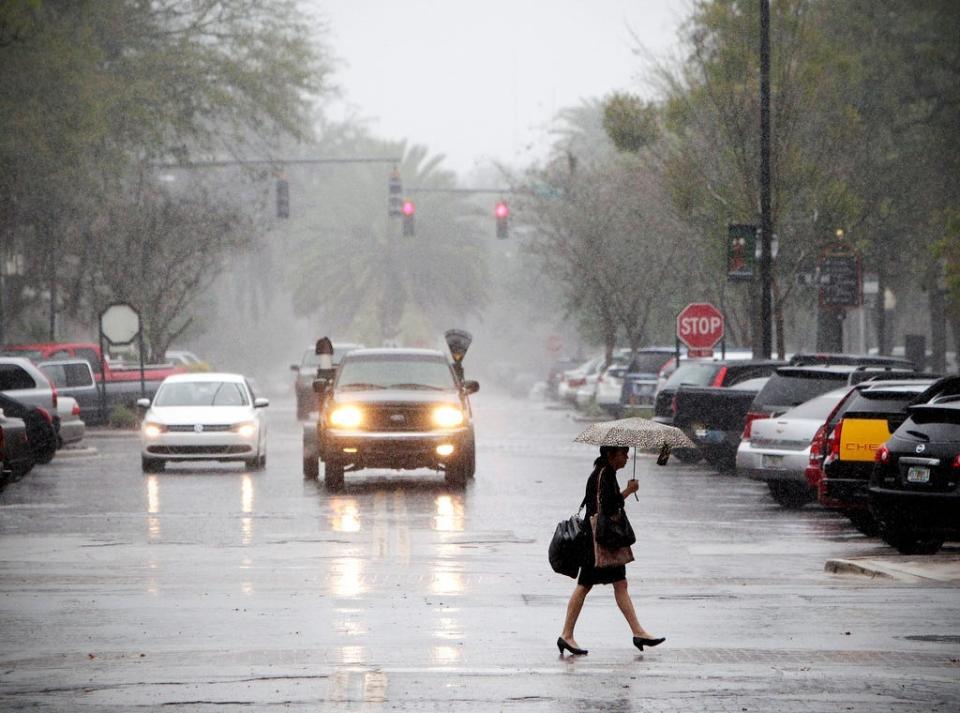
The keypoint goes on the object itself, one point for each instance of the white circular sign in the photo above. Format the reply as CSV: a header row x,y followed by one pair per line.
x,y
120,323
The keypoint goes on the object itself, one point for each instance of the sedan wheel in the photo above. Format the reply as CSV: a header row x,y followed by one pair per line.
x,y
152,465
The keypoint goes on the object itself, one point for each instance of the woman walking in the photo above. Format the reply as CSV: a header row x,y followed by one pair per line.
x,y
611,499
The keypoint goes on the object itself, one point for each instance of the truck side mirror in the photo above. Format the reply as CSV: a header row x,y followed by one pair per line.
x,y
471,387
143,403
320,385
295,367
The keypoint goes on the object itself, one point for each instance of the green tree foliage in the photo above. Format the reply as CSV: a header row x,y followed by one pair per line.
x,y
96,91
356,274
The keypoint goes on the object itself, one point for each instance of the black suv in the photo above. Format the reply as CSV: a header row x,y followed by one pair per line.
x,y
397,408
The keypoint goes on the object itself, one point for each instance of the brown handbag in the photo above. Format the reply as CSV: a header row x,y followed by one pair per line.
x,y
605,556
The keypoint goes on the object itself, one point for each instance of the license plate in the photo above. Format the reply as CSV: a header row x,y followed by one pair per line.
x,y
699,430
771,461
918,474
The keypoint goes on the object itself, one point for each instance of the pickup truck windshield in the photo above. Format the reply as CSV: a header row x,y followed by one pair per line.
x,y
693,375
201,393
395,371
648,363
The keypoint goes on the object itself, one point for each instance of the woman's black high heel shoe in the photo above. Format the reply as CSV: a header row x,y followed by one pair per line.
x,y
561,644
639,641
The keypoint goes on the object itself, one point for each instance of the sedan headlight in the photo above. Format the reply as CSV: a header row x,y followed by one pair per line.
x,y
152,430
246,429
346,417
447,416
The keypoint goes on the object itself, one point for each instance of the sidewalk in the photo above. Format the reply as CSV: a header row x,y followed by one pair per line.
x,y
103,432
941,567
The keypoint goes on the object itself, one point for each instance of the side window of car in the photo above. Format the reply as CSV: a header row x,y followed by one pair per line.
x,y
78,375
13,377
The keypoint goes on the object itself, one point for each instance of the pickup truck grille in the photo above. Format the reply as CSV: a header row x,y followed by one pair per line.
x,y
398,417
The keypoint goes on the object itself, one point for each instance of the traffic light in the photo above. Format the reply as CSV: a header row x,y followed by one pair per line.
x,y
395,201
408,210
502,213
741,246
283,198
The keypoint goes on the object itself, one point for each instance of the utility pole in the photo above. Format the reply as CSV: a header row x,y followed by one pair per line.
x,y
766,222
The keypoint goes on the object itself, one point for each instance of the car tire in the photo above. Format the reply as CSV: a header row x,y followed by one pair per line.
x,y
791,496
687,455
152,465
311,468
470,456
907,542
721,460
864,521
458,471
333,475
263,460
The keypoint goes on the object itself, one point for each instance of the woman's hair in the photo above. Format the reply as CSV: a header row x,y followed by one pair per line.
x,y
606,452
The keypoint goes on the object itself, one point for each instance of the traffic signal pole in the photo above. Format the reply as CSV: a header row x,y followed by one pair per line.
x,y
766,222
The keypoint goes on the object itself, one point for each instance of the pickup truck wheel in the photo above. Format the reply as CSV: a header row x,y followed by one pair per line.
x,y
470,456
688,455
152,465
458,471
791,496
333,475
311,468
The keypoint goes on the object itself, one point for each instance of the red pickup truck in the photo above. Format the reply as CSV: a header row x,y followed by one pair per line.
x,y
122,381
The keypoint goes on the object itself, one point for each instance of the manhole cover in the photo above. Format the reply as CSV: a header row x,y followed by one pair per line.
x,y
933,638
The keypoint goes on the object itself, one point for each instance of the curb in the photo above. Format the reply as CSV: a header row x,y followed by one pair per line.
x,y
77,452
111,433
851,567
943,568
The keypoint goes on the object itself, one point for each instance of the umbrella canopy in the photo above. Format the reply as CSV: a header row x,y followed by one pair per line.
x,y
640,433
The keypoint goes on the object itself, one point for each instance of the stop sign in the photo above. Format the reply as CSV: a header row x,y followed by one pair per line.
x,y
700,325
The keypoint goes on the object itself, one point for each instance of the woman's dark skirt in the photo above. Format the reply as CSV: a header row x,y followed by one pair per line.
x,y
590,575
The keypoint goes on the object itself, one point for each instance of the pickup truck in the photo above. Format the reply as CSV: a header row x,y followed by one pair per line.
x,y
713,417
122,379
74,378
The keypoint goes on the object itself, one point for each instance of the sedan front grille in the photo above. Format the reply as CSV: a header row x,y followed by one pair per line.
x,y
197,450
204,428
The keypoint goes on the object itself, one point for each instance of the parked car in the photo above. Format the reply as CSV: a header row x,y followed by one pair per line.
x,y
573,379
860,424
642,374
587,393
713,417
777,450
74,377
913,491
189,360
555,375
72,427
306,372
201,417
42,427
16,453
398,409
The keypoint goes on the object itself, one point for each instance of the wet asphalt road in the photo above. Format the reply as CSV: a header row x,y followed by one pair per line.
x,y
215,589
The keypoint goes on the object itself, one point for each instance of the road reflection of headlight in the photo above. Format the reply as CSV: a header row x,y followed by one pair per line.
x,y
346,417
246,429
447,416
152,430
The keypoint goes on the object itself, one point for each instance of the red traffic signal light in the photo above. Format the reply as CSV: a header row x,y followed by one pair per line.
x,y
409,208
502,213
407,229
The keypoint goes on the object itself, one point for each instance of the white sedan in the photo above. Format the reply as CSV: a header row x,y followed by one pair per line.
x,y
203,416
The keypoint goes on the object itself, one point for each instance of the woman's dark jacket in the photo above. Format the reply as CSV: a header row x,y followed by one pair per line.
x,y
610,498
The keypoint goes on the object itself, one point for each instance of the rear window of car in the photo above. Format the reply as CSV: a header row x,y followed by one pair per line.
x,y
693,375
311,358
68,375
880,403
789,390
648,363
13,378
935,424
817,407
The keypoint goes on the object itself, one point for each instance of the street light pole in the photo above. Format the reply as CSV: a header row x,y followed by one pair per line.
x,y
766,223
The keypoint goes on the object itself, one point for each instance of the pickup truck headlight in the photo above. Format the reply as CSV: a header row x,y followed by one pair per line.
x,y
447,416
152,430
346,417
246,429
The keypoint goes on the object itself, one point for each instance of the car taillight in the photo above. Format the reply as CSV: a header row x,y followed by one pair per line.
x,y
577,382
56,397
673,405
882,455
75,411
833,442
748,424
816,446
45,414
720,376
956,463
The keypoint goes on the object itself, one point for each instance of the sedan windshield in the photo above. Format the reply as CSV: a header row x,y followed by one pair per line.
x,y
395,372
202,393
